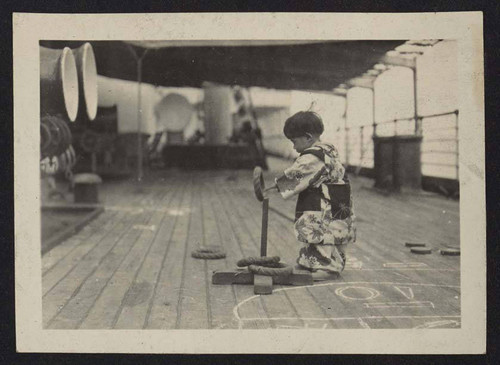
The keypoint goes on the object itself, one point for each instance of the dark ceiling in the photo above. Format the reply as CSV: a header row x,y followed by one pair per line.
x,y
300,66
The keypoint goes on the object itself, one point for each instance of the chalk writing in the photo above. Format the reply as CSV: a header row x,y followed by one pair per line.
x,y
399,304
400,265
406,291
360,290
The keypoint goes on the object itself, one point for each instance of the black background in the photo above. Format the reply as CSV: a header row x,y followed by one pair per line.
x,y
491,9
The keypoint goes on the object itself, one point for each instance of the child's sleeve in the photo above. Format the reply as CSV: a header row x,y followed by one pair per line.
x,y
305,172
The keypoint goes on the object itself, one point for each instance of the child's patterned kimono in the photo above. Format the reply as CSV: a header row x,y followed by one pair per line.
x,y
324,220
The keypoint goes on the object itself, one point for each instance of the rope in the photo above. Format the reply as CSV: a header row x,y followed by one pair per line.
x,y
209,253
281,269
269,261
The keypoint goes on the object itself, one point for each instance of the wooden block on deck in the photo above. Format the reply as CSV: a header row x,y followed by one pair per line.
x,y
232,277
262,284
298,277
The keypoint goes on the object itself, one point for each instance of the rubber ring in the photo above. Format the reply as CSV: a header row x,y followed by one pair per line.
x,y
258,183
281,270
262,260
208,253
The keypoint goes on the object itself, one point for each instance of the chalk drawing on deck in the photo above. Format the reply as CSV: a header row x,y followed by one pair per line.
x,y
372,293
446,323
401,265
355,319
353,263
406,291
414,304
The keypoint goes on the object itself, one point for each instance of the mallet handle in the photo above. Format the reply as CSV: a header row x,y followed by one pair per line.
x,y
263,236
274,186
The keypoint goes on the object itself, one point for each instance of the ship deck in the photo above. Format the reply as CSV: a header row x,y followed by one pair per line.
x,y
131,267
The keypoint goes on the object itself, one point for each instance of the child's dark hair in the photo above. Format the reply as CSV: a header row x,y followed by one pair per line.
x,y
301,123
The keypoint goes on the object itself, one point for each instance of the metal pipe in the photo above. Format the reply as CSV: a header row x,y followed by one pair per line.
x,y
418,126
139,120
58,83
87,81
139,109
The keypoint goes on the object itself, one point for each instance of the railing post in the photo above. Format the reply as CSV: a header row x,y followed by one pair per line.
x,y
346,128
418,127
374,133
361,129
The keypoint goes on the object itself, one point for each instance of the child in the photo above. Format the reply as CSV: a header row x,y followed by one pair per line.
x,y
324,220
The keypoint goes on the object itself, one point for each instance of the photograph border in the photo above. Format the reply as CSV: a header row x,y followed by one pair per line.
x,y
465,27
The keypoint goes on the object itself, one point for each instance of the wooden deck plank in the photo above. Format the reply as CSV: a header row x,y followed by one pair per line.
x,y
107,308
90,296
164,309
193,304
252,308
135,306
78,306
104,312
382,246
351,313
70,284
56,254
222,298
279,305
151,281
423,223
75,268
303,305
308,310
57,272
106,298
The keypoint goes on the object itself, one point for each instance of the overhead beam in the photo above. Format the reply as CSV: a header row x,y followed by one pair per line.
x,y
364,82
398,61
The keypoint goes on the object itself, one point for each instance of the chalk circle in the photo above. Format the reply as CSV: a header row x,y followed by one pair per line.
x,y
372,293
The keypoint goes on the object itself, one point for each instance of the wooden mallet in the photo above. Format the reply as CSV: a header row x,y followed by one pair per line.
x,y
262,284
260,192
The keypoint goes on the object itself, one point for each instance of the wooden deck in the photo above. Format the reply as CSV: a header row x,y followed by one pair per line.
x,y
131,267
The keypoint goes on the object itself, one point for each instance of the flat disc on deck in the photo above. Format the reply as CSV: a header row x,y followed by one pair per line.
x,y
209,253
421,250
450,252
415,244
